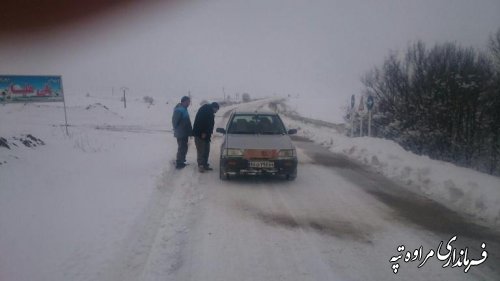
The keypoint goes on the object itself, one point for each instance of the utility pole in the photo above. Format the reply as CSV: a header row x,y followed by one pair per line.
x,y
124,89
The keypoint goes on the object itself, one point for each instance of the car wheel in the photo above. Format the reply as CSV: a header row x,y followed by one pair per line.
x,y
222,176
291,177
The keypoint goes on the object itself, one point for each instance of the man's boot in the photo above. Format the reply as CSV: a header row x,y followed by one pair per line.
x,y
180,165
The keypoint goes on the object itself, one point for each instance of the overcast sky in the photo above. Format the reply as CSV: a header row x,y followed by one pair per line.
x,y
316,48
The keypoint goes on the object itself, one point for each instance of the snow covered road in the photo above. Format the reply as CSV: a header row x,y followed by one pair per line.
x,y
337,221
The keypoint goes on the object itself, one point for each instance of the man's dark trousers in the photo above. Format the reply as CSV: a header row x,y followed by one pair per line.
x,y
203,150
182,148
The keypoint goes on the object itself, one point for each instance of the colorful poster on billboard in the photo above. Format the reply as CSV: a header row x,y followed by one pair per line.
x,y
22,88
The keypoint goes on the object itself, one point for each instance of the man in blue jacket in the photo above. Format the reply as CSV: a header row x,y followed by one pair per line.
x,y
202,131
182,130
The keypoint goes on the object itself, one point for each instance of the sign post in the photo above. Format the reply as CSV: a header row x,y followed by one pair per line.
x,y
369,106
352,115
65,114
361,108
32,88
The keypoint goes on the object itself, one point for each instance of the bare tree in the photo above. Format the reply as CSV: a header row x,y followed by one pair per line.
x,y
437,101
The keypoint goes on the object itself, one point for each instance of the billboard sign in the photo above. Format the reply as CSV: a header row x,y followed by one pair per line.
x,y
26,88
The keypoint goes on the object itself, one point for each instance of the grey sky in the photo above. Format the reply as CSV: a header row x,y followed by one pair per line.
x,y
315,48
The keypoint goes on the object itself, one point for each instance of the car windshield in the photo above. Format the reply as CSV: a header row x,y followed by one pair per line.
x,y
256,124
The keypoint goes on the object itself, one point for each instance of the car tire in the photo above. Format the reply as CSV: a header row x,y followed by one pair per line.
x,y
222,175
291,177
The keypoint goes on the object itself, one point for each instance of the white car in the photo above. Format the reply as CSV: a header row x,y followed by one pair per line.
x,y
257,143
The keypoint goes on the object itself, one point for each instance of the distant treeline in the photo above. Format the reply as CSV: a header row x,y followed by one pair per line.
x,y
443,102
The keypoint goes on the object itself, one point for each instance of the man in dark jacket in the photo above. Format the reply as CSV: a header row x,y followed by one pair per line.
x,y
182,130
202,131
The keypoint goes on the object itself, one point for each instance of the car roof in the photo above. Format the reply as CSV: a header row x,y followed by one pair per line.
x,y
256,112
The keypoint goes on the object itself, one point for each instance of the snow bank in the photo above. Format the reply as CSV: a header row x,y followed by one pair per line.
x,y
464,190
461,189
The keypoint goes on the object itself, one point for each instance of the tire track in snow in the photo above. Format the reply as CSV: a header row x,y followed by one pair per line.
x,y
153,247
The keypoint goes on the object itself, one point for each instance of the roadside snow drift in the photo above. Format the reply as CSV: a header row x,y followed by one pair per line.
x,y
461,189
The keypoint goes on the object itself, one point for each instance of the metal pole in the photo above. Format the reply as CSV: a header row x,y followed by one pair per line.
x,y
64,102
124,97
360,125
352,115
369,123
352,123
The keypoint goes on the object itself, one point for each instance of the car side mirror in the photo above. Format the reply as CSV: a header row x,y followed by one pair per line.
x,y
292,131
220,130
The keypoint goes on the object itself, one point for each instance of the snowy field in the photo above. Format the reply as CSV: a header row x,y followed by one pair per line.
x,y
74,194
330,109
71,204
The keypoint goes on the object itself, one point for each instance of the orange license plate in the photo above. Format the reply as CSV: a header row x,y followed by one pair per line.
x,y
261,164
260,153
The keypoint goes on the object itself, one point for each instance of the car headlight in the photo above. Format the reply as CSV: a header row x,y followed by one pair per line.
x,y
233,152
287,153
